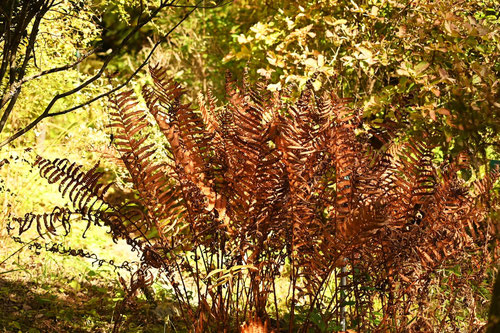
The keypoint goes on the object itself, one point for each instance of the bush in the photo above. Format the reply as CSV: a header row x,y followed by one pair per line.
x,y
296,215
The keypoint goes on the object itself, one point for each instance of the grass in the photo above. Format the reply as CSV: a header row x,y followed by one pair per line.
x,y
54,293
69,306
59,293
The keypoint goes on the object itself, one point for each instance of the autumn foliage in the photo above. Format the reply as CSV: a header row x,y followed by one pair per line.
x,y
285,215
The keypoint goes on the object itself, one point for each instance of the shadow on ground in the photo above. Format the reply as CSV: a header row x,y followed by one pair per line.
x,y
71,307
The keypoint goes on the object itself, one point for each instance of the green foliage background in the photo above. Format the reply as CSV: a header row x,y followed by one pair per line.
x,y
434,65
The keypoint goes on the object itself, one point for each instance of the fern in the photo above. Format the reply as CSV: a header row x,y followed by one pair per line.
x,y
259,191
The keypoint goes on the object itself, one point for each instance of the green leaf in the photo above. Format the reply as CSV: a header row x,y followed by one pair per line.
x,y
75,285
422,66
332,21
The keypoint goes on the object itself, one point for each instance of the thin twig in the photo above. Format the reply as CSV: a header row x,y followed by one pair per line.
x,y
46,113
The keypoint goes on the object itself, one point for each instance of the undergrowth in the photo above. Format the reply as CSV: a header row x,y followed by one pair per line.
x,y
276,215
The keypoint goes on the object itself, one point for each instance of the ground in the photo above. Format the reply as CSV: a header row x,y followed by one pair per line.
x,y
54,293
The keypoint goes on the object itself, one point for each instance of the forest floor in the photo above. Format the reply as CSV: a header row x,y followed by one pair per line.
x,y
30,307
55,293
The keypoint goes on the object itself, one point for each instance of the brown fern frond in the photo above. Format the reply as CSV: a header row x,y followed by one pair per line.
x,y
81,187
88,197
150,179
415,181
190,143
46,223
261,193
208,111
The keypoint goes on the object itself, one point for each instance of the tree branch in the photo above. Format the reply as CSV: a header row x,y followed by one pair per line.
x,y
30,49
108,59
46,113
18,84
141,66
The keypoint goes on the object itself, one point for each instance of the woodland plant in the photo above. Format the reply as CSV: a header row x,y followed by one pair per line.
x,y
282,216
69,48
435,62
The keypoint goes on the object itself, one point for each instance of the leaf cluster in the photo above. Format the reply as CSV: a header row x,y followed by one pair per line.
x,y
262,194
435,62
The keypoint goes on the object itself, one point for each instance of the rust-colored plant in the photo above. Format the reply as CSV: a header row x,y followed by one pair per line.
x,y
284,215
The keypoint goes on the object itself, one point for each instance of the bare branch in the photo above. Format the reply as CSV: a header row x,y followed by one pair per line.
x,y
22,70
222,4
141,66
17,85
46,113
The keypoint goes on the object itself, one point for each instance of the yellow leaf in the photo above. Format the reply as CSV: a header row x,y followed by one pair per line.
x,y
316,85
403,70
242,39
366,55
215,271
271,58
264,72
244,53
331,21
310,62
274,87
321,60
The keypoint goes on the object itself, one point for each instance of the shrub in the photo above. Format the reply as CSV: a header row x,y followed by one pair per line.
x,y
298,216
